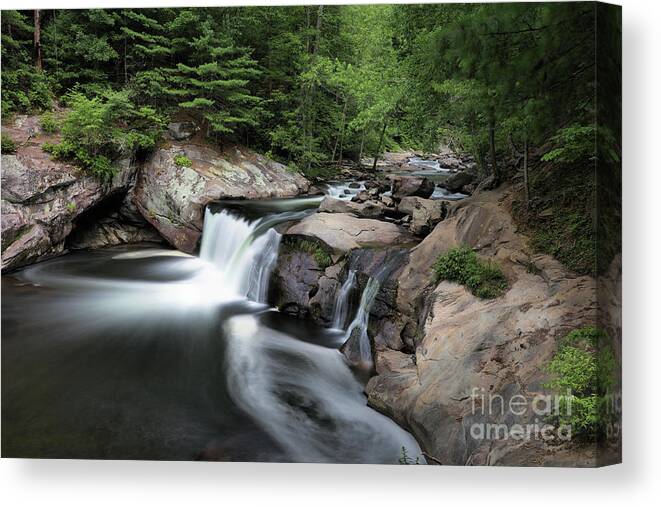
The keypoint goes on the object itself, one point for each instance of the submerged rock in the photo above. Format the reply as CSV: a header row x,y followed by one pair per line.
x,y
173,197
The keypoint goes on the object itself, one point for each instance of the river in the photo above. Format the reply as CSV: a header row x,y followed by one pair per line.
x,y
147,353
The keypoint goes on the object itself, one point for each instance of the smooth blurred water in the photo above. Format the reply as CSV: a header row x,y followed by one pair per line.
x,y
152,354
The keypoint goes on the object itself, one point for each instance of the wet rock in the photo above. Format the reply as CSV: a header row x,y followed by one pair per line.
x,y
463,343
424,213
404,186
42,199
294,281
172,198
458,181
361,196
369,209
343,232
388,201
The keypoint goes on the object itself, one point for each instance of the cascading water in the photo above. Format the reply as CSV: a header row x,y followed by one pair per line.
x,y
303,395
164,356
245,258
360,322
341,309
356,339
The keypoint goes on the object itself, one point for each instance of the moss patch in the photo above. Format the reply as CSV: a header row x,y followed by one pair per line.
x,y
485,279
314,248
183,161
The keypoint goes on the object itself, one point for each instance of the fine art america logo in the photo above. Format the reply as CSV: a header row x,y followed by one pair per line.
x,y
544,416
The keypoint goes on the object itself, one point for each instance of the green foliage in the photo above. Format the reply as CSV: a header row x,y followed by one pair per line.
x,y
573,144
583,371
560,220
183,161
24,89
71,207
485,279
8,144
99,130
569,236
584,144
405,459
48,123
315,85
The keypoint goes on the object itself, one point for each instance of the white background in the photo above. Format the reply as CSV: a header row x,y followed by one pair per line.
x,y
637,481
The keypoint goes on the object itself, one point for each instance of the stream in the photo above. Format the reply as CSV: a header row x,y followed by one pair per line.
x,y
144,353
148,353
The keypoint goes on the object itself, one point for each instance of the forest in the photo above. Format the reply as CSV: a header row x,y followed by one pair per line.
x,y
311,86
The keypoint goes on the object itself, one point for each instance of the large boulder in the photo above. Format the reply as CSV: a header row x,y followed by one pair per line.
x,y
405,186
342,232
369,209
43,200
173,197
304,282
457,182
181,130
425,213
464,347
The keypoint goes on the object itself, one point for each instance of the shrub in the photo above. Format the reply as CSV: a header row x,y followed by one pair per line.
x,y
182,161
583,371
8,144
485,279
101,129
48,123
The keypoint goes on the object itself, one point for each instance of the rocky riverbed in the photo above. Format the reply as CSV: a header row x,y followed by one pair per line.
x,y
355,257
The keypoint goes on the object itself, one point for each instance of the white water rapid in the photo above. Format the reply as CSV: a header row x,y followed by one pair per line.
x,y
341,308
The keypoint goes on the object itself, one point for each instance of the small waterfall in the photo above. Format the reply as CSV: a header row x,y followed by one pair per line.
x,y
356,340
341,307
360,322
245,257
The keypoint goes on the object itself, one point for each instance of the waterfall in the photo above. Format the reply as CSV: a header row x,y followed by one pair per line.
x,y
341,309
361,320
356,340
236,248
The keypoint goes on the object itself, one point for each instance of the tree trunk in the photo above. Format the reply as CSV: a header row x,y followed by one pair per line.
x,y
126,72
526,183
378,149
362,145
310,97
492,145
37,40
344,118
320,13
